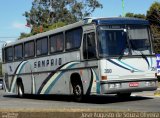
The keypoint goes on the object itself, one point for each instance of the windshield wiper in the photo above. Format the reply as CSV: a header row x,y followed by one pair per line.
x,y
124,53
121,56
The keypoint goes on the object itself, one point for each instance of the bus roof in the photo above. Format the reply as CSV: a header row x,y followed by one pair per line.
x,y
120,20
97,21
47,33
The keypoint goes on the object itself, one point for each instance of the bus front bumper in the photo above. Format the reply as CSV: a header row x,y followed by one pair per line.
x,y
128,86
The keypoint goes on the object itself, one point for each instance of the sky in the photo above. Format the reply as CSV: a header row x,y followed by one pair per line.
x,y
12,21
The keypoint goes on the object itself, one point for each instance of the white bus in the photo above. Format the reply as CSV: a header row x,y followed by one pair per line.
x,y
93,56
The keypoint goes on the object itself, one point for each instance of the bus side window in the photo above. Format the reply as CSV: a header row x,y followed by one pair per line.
x,y
42,46
29,49
9,54
18,52
85,55
89,46
73,38
57,43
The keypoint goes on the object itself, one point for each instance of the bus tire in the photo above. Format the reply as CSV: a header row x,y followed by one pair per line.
x,y
20,90
78,92
124,95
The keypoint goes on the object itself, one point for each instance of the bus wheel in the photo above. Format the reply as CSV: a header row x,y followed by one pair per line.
x,y
123,95
78,92
20,89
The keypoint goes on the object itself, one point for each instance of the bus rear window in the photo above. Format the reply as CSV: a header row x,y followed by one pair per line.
x,y
29,49
9,54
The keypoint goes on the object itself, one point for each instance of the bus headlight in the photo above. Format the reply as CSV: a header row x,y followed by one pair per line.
x,y
115,86
151,83
111,86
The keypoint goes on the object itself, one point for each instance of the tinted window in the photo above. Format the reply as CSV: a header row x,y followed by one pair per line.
x,y
139,40
29,49
9,54
18,52
112,43
73,38
42,46
89,46
56,43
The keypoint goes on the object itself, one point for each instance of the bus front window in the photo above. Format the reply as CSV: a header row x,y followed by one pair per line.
x,y
112,42
139,40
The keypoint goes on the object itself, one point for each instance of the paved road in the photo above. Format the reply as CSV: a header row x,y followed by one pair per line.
x,y
106,103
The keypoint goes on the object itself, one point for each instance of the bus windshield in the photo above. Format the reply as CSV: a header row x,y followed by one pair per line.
x,y
116,42
139,40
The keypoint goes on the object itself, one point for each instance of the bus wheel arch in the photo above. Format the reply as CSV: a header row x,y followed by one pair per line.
x,y
77,86
20,88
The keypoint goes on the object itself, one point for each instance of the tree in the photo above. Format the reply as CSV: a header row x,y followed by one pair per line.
x,y
48,13
153,15
24,35
142,16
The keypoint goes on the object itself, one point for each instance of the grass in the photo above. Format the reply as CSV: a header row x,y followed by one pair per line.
x,y
157,92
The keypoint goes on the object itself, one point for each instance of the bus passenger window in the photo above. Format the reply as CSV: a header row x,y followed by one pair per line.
x,y
73,38
18,52
56,43
89,46
42,46
9,54
29,49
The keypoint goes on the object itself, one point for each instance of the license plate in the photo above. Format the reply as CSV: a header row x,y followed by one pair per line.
x,y
133,84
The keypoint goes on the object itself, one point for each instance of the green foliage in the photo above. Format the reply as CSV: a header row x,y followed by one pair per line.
x,y
142,16
47,28
24,35
50,14
56,25
153,15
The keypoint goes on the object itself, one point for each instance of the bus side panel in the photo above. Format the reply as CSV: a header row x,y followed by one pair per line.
x,y
52,74
26,81
55,68
87,70
60,85
39,79
10,76
91,77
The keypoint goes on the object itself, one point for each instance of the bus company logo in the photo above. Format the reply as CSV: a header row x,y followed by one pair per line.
x,y
46,63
